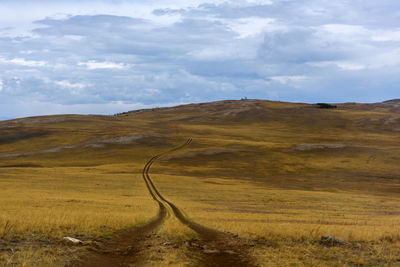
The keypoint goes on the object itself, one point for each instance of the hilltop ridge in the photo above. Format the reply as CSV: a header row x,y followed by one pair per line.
x,y
237,106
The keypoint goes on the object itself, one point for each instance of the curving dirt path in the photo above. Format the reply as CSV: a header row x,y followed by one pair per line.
x,y
222,250
127,247
214,248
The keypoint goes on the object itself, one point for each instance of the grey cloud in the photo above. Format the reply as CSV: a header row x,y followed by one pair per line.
x,y
203,56
224,10
300,45
106,35
86,25
305,13
168,11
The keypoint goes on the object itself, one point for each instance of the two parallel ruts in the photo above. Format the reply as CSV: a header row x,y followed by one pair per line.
x,y
126,249
224,253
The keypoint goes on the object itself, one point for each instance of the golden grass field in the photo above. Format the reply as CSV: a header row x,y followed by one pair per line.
x,y
278,175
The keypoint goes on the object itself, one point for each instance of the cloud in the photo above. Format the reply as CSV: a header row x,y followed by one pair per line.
x,y
299,45
345,30
68,84
287,79
387,36
247,27
93,65
23,62
339,64
71,53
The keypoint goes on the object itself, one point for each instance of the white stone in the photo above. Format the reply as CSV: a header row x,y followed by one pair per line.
x,y
72,240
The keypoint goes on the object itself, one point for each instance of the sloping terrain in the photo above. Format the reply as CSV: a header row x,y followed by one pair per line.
x,y
276,175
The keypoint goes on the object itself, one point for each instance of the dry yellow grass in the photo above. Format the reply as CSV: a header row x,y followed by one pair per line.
x,y
58,201
260,211
169,246
42,205
277,174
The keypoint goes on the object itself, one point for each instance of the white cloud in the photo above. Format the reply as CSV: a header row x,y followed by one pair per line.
x,y
1,85
247,27
344,65
93,65
386,59
27,52
350,66
28,63
68,84
74,37
344,29
221,52
288,79
386,36
152,92
23,62
260,2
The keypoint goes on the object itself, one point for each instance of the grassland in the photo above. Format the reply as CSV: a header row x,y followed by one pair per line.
x,y
279,175
42,205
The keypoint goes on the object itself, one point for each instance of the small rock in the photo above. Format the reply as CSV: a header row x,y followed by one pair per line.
x,y
331,241
71,240
167,243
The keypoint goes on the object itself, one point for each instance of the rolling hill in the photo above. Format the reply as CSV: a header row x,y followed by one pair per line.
x,y
275,176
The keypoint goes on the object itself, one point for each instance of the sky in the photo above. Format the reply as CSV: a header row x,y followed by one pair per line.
x,y
110,56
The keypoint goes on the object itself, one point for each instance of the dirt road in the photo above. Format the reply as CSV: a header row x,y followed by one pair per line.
x,y
214,248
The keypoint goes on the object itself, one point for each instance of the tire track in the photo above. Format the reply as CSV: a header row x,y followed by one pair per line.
x,y
222,248
126,249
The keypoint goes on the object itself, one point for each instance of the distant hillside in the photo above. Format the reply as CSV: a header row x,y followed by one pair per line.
x,y
290,135
394,103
